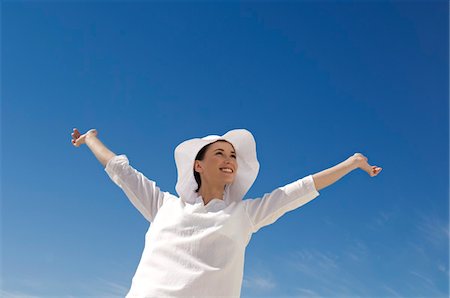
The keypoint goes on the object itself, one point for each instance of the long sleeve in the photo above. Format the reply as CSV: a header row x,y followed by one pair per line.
x,y
142,192
266,210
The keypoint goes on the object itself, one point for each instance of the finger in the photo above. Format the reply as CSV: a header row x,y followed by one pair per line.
x,y
376,172
76,132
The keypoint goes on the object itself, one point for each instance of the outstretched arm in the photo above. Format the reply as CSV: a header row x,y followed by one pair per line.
x,y
329,176
143,193
266,210
101,152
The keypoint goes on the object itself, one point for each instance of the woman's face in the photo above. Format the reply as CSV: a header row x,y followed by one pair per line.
x,y
219,165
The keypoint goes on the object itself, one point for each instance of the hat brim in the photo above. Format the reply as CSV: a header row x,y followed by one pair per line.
x,y
248,165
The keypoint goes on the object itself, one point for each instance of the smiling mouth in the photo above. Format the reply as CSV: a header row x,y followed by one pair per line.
x,y
227,170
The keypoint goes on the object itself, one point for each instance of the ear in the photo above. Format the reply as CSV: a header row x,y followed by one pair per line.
x,y
198,166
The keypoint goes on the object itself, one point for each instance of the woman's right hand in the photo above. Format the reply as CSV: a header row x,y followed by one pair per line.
x,y
78,139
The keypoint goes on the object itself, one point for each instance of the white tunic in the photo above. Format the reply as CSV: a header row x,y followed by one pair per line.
x,y
193,250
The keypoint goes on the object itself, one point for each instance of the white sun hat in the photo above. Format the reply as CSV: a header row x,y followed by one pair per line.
x,y
248,165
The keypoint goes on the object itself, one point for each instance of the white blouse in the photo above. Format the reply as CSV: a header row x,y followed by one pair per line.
x,y
197,250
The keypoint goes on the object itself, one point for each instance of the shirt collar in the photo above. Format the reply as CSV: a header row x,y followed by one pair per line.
x,y
213,205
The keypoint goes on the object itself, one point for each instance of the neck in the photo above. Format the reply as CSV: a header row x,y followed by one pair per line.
x,y
209,192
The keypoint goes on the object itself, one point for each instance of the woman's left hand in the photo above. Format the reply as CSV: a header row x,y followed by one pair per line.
x,y
361,162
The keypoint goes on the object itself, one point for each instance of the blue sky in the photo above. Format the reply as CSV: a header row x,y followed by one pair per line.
x,y
315,82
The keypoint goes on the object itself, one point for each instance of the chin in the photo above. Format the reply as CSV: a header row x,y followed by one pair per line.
x,y
229,181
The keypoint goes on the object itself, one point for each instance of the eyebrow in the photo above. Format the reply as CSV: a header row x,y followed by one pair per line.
x,y
224,150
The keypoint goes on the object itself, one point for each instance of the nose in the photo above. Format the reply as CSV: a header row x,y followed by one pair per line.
x,y
229,159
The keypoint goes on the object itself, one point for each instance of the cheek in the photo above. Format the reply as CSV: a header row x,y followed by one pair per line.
x,y
213,163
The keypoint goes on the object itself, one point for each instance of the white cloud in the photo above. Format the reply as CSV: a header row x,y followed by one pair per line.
x,y
426,284
423,278
443,268
259,278
302,292
114,288
102,287
357,251
15,294
380,219
259,282
97,288
321,261
392,291
434,229
326,269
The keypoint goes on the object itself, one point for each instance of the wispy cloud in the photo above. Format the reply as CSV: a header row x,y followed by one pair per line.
x,y
391,291
427,284
15,294
302,292
101,287
423,278
259,278
427,254
443,268
326,269
114,288
96,288
23,286
322,260
358,251
380,220
434,229
259,282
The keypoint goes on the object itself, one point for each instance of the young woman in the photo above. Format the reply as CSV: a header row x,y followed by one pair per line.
x,y
196,242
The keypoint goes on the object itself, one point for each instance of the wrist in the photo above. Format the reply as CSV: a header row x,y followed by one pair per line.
x,y
88,138
353,162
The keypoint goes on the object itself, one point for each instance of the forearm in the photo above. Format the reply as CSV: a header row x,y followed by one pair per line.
x,y
101,152
331,175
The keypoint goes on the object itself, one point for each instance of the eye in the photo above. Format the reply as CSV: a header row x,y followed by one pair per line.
x,y
219,152
234,156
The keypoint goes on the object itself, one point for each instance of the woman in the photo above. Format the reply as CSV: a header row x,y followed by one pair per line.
x,y
196,242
